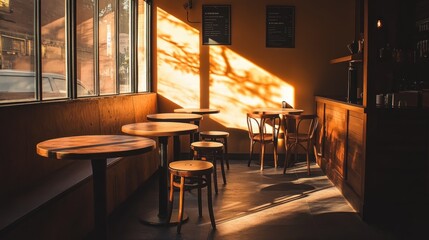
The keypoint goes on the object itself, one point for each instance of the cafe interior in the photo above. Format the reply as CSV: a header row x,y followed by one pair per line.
x,y
160,96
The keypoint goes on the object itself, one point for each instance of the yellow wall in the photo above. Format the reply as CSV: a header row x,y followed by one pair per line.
x,y
238,77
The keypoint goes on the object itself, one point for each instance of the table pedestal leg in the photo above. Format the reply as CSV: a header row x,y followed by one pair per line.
x,y
100,205
161,217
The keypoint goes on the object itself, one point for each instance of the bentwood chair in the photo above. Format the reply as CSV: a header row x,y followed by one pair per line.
x,y
263,129
301,134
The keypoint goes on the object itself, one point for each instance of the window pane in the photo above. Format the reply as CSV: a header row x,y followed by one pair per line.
x,y
85,47
142,46
124,46
106,32
53,41
17,78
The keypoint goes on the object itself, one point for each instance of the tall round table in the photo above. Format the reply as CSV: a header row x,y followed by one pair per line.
x,y
177,117
162,130
96,148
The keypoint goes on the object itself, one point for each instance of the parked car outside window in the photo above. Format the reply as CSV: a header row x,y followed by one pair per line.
x,y
21,86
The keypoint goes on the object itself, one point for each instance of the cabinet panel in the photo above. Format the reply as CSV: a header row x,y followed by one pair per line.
x,y
335,138
355,154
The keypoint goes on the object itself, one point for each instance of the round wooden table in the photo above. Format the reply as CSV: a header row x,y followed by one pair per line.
x,y
278,110
178,117
96,148
162,130
197,110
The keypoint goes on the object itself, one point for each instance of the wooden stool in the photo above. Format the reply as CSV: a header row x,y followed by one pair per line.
x,y
210,151
198,170
217,136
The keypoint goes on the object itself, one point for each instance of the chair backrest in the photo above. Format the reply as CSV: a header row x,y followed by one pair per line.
x,y
263,123
303,123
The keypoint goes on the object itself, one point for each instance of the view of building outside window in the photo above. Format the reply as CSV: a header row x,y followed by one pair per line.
x,y
142,46
17,79
85,46
124,46
106,52
53,41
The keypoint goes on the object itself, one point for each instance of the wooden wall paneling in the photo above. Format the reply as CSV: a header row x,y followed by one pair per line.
x,y
13,141
114,113
144,104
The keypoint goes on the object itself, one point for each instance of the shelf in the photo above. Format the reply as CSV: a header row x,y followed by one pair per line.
x,y
355,58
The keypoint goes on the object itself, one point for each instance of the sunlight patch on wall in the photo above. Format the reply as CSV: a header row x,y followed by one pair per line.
x,y
237,86
178,60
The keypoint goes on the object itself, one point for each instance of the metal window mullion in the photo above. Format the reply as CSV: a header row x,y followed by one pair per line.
x,y
133,45
116,32
96,50
71,71
38,49
149,33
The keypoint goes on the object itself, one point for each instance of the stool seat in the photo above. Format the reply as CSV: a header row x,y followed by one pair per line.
x,y
218,136
210,151
205,145
198,170
190,168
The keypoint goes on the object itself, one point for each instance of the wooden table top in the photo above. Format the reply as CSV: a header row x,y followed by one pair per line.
x,y
277,110
174,117
94,146
159,129
197,110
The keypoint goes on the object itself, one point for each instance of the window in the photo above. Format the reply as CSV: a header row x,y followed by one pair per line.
x,y
110,51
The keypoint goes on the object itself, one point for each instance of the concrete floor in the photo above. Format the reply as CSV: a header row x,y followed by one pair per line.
x,y
253,205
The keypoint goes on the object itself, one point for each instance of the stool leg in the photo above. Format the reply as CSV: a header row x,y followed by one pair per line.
x,y
226,152
181,203
215,174
200,211
222,168
170,198
210,201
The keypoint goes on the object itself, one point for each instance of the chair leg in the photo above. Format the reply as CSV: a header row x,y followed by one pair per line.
x,y
181,204
262,155
275,155
210,200
252,143
308,158
286,161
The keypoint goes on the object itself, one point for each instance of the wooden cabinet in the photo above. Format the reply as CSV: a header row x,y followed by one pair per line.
x,y
340,146
378,159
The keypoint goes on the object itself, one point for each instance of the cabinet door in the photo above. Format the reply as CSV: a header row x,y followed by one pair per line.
x,y
335,139
355,154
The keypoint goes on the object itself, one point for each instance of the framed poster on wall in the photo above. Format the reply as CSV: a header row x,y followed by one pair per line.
x,y
216,24
280,27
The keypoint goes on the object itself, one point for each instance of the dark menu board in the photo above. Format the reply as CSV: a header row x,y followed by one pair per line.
x,y
216,24
280,27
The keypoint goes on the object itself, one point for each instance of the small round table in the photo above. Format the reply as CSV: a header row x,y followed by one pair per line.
x,y
177,117
197,110
278,110
162,130
96,148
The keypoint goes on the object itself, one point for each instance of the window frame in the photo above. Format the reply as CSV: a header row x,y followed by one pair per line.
x,y
71,52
